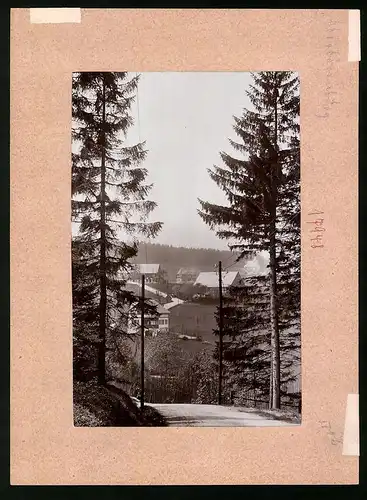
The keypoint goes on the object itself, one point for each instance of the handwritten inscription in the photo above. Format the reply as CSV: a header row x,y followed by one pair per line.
x,y
317,228
332,56
334,437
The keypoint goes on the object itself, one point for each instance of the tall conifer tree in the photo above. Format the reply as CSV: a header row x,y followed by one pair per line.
x,y
109,203
257,187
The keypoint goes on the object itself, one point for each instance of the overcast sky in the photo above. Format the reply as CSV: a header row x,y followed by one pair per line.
x,y
186,120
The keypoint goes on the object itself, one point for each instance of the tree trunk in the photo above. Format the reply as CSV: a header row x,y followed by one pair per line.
x,y
275,351
103,280
271,382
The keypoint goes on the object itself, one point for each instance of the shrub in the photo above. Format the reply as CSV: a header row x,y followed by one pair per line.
x,y
98,406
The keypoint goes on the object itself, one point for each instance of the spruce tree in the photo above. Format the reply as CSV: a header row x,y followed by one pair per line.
x,y
247,353
109,205
247,342
289,260
256,187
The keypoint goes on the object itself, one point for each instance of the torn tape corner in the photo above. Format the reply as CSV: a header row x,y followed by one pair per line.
x,y
351,426
55,16
354,35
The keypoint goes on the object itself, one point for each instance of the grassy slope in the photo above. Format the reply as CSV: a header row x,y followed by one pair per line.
x,y
188,319
196,320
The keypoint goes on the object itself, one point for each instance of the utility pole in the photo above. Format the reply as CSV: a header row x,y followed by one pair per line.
x,y
142,342
220,335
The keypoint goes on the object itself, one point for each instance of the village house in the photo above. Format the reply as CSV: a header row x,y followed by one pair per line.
x,y
153,323
211,280
186,275
154,273
156,298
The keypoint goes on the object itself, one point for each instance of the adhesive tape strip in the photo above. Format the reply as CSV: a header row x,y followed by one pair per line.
x,y
354,36
55,16
351,426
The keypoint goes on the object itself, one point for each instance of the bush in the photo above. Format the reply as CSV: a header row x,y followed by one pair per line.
x,y
85,359
98,406
84,417
95,405
154,417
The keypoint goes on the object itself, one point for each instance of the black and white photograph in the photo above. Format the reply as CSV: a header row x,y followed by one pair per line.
x,y
186,249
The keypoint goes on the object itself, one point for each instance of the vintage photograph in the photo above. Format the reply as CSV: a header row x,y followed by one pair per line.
x,y
186,255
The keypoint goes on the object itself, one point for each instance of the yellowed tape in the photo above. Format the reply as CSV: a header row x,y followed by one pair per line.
x,y
55,16
351,426
354,36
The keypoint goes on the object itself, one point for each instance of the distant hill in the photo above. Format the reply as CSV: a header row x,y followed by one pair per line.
x,y
173,258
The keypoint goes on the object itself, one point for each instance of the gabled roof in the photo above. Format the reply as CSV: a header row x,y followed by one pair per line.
x,y
175,302
150,293
136,287
160,308
211,279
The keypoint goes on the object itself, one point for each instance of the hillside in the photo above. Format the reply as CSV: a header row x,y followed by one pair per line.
x,y
172,258
187,320
194,320
98,406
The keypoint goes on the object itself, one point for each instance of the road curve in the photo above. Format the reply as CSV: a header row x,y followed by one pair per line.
x,y
200,415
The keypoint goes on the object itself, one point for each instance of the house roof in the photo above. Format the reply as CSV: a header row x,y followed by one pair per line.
x,y
148,268
160,308
136,287
175,302
211,279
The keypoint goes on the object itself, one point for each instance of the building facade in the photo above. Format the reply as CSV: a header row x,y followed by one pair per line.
x,y
154,273
153,323
186,275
